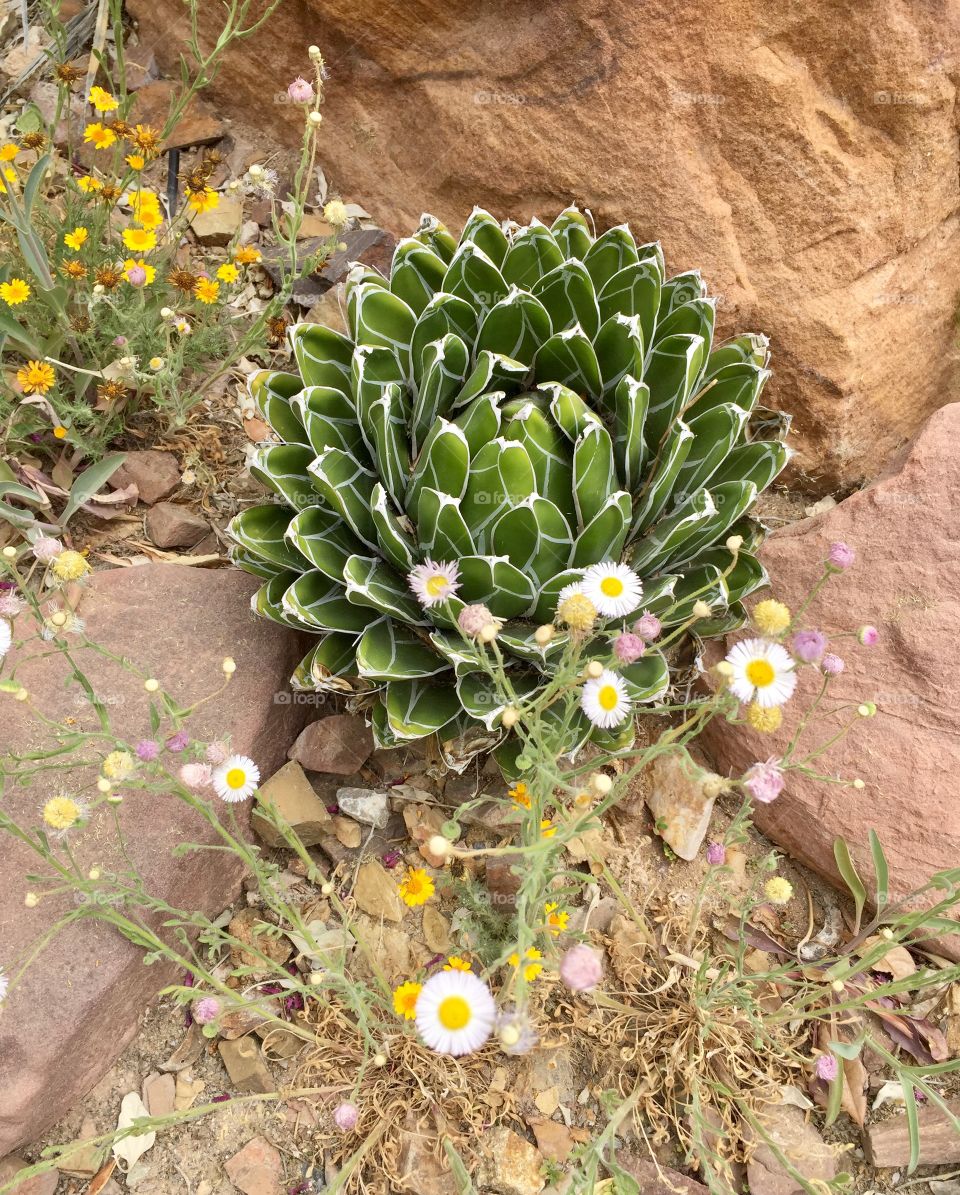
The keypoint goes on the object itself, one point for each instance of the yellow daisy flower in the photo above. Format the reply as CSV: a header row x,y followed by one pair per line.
x,y
99,136
246,255
203,201
70,566
36,377
207,291
519,795
17,290
140,240
416,887
102,100
135,161
778,891
456,963
88,184
531,968
405,1000
76,239
8,152
228,272
556,922
547,828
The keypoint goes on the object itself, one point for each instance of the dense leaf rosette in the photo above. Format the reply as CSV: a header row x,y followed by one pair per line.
x,y
525,402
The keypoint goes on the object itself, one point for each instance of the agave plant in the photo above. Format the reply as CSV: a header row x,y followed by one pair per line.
x,y
526,402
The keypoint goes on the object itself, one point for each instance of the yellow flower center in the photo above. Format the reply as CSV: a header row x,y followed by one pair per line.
x,y
454,1013
236,778
760,673
436,585
608,697
61,813
611,587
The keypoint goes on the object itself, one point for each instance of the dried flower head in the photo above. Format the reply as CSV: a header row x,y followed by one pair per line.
x,y
112,392
182,280
109,277
67,74
35,141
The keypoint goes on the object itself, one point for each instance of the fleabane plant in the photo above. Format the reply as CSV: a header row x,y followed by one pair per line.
x,y
511,417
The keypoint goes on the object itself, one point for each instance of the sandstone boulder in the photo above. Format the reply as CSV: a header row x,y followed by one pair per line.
x,y
906,581
80,1002
816,188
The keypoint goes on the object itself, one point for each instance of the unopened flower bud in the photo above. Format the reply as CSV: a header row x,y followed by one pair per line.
x,y
315,118
601,783
314,52
115,799
489,633
858,783
594,669
31,900
151,684
837,985
510,717
21,695
379,1060
94,874
543,634
103,785
229,666
255,171
315,978
10,553
440,847
886,933
701,609
167,313
734,543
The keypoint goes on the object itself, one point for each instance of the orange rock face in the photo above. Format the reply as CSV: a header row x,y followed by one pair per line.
x,y
807,165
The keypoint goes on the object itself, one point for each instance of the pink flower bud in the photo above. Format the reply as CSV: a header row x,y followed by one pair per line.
x,y
206,1010
832,665
827,1067
136,276
472,619
809,646
628,648
196,775
716,854
648,627
300,91
868,636
580,968
841,555
764,781
147,750
346,1117
46,549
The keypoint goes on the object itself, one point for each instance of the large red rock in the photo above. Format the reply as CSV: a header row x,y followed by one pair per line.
x,y
905,581
816,187
80,1002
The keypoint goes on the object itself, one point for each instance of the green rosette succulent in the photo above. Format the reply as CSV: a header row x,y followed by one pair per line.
x,y
525,402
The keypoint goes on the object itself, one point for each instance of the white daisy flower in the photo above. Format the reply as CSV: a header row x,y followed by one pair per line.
x,y
433,583
455,1012
6,637
236,779
4,986
575,589
614,589
762,672
604,699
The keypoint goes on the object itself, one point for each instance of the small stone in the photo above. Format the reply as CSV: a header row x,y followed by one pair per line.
x,y
85,1161
159,1093
888,1143
249,928
799,1141
219,225
41,1184
197,124
376,892
155,474
548,1100
189,1090
398,955
291,795
246,1066
257,1169
554,1140
312,225
678,803
23,55
170,525
436,930
365,805
548,1068
419,1171
329,310
654,1181
502,884
341,744
347,832
510,1166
